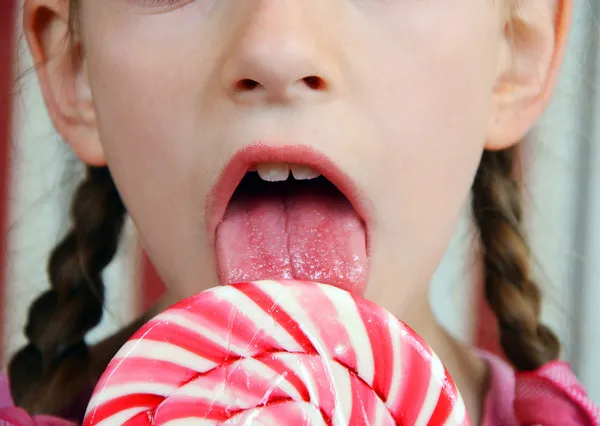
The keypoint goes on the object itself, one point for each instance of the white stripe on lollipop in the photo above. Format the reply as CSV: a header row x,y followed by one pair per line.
x,y
395,335
131,388
164,351
350,318
438,374
381,414
219,394
342,387
458,416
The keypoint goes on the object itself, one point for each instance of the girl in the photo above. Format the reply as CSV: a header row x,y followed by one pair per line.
x,y
188,113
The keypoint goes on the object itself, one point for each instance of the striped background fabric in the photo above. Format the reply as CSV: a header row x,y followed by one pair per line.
x,y
38,174
6,49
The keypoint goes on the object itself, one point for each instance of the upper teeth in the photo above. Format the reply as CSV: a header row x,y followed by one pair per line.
x,y
277,172
303,172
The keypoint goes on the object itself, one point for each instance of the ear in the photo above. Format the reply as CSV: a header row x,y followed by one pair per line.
x,y
530,59
57,54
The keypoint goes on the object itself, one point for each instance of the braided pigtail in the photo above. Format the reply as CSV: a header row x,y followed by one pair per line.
x,y
509,289
55,367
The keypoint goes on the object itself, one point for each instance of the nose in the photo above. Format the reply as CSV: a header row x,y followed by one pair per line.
x,y
278,56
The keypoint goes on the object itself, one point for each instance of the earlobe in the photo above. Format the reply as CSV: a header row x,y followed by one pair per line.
x,y
529,66
61,72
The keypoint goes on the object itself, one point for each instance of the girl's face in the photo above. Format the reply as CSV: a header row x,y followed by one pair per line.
x,y
393,101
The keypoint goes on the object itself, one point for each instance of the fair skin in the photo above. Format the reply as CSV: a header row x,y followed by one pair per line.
x,y
415,91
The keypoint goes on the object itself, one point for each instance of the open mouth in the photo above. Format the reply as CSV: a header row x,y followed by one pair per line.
x,y
289,221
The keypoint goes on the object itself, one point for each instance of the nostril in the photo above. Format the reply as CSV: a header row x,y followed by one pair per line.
x,y
247,85
278,88
315,83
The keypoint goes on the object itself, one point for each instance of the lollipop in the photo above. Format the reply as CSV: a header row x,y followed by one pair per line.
x,y
276,353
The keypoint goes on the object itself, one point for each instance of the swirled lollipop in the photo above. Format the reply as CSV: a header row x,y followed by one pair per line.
x,y
276,353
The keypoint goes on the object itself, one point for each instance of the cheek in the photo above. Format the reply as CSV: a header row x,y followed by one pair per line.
x,y
140,91
147,110
143,99
432,114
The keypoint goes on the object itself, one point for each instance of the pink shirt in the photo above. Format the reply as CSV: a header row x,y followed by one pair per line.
x,y
499,402
551,396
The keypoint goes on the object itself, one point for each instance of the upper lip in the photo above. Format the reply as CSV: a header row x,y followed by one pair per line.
x,y
233,173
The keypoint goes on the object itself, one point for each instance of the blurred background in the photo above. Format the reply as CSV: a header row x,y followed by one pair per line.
x,y
562,160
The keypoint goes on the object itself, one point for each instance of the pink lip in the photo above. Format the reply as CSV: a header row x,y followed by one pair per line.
x,y
259,152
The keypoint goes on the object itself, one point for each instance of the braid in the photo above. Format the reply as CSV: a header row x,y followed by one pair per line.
x,y
509,289
55,367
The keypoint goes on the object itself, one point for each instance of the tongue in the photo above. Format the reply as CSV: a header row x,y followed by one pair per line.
x,y
308,233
